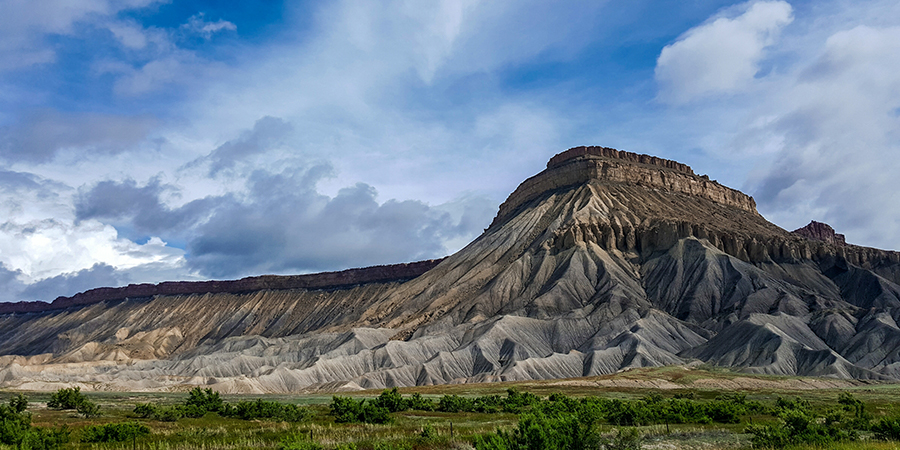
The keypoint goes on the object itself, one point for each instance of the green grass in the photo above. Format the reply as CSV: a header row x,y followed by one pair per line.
x,y
215,432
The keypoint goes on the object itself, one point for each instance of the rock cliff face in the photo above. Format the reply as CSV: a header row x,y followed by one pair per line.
x,y
606,260
818,231
601,164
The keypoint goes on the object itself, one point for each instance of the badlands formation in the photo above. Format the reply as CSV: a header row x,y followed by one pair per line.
x,y
606,260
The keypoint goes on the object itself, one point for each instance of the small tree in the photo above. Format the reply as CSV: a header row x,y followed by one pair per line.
x,y
67,398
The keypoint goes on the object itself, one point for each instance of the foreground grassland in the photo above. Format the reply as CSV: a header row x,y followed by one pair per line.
x,y
665,408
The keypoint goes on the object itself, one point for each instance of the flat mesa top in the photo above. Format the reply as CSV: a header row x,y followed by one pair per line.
x,y
585,152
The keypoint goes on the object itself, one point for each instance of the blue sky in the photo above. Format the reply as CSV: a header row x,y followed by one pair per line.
x,y
145,140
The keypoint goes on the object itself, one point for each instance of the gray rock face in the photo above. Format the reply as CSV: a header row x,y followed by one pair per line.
x,y
605,261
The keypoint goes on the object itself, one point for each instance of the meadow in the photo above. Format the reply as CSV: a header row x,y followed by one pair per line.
x,y
662,408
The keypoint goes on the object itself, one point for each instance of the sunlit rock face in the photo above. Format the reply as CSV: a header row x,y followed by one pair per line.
x,y
606,260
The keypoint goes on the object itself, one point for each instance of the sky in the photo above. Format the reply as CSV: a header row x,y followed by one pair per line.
x,y
151,140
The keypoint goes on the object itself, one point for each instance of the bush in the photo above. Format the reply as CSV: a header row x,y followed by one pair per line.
x,y
16,429
68,398
144,410
391,400
114,432
348,410
537,431
88,409
798,426
887,429
205,400
455,403
18,404
43,439
419,403
168,414
345,409
191,411
515,401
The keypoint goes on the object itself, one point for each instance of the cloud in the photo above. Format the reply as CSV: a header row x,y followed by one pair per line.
x,y
197,24
267,133
139,211
69,284
26,24
721,56
816,138
10,285
282,224
836,117
41,135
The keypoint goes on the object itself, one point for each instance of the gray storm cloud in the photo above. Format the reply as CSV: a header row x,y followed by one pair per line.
x,y
283,224
39,136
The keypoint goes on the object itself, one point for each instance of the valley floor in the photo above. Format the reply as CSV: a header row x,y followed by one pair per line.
x,y
414,429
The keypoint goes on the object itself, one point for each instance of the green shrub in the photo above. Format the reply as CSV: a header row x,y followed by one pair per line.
x,y
537,431
391,400
144,410
887,429
375,414
192,411
114,432
428,433
88,409
419,403
168,414
516,401
345,409
455,403
206,400
488,404
67,398
799,425
43,439
348,410
18,403
860,418
493,441
725,411
16,429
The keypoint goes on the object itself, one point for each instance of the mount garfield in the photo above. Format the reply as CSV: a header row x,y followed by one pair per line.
x,y
606,260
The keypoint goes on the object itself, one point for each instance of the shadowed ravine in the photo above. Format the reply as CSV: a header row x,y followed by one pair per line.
x,y
606,260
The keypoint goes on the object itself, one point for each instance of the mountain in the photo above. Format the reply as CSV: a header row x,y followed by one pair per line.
x,y
606,260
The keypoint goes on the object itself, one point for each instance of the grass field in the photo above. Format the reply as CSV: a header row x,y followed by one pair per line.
x,y
702,384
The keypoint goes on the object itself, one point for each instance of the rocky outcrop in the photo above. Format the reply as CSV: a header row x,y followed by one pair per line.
x,y
325,280
605,261
819,231
582,164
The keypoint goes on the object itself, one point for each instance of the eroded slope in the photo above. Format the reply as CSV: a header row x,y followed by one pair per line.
x,y
605,261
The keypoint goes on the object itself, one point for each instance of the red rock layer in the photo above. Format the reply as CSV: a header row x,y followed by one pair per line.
x,y
606,152
819,231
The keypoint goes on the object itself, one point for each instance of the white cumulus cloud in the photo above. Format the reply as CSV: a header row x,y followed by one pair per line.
x,y
722,55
